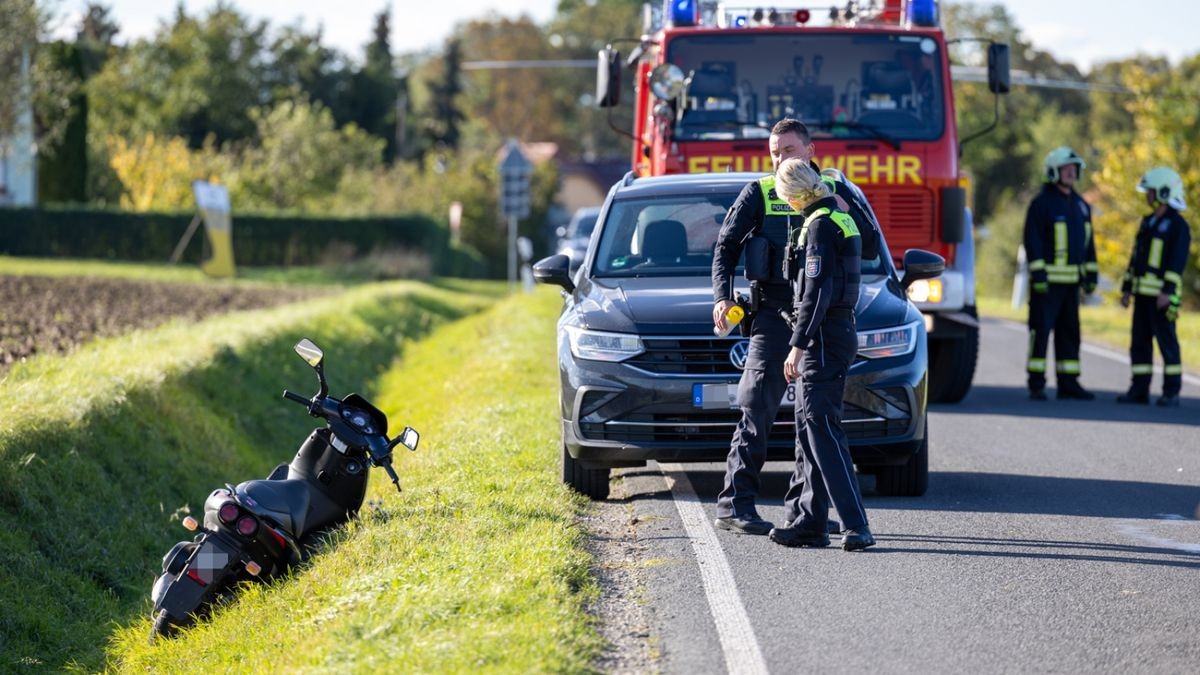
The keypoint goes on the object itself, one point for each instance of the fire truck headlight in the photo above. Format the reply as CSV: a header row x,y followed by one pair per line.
x,y
926,290
667,81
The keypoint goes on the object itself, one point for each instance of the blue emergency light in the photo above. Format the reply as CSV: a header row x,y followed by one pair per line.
x,y
923,12
739,22
683,12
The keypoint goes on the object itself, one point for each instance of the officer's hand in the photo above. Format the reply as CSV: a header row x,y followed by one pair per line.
x,y
1089,288
791,365
1125,300
1163,301
719,311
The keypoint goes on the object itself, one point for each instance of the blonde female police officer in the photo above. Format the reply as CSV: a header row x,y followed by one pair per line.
x,y
823,345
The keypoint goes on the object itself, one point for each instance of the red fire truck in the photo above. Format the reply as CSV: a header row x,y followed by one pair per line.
x,y
872,82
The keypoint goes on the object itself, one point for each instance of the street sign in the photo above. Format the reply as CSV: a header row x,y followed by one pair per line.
x,y
515,171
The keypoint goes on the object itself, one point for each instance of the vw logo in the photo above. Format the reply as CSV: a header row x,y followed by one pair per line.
x,y
738,354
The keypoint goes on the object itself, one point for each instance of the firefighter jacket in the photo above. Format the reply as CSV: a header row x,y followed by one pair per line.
x,y
831,270
1159,255
1058,240
760,212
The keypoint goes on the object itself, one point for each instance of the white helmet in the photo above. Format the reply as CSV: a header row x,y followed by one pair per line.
x,y
1058,158
1165,185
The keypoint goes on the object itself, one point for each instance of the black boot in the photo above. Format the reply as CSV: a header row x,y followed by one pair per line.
x,y
1168,401
1134,397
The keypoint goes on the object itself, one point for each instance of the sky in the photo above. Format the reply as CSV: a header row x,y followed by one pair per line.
x,y
1072,30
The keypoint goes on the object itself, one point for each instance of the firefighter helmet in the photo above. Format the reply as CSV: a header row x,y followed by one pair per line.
x,y
1166,186
1058,158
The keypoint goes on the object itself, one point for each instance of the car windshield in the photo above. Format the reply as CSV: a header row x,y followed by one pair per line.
x,y
879,86
670,235
583,224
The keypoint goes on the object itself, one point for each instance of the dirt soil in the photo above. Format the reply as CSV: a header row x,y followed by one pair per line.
x,y
55,315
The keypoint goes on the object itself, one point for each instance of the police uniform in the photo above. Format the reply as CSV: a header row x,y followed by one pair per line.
x,y
1156,267
759,212
1062,257
826,292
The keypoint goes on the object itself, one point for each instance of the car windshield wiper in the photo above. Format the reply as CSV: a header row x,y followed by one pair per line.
x,y
869,128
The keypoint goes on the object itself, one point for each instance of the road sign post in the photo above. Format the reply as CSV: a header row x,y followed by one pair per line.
x,y
515,171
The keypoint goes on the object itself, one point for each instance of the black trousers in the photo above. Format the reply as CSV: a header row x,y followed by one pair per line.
x,y
759,394
824,472
1057,311
1150,324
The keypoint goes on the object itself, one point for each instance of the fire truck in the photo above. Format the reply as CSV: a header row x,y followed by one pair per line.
x,y
872,82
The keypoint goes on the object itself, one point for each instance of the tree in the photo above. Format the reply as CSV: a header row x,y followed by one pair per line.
x,y
95,37
444,116
26,77
375,88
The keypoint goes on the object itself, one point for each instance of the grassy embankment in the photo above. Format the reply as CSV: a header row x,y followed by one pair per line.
x,y
1107,324
102,452
478,564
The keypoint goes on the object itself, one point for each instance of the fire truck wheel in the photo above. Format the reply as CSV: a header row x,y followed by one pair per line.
x,y
590,482
952,365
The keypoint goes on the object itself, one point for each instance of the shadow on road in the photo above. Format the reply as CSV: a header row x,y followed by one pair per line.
x,y
1085,551
1014,401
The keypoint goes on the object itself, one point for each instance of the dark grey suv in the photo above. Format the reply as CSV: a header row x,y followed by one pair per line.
x,y
643,377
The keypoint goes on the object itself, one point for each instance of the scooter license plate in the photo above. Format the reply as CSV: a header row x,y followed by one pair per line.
x,y
724,396
210,560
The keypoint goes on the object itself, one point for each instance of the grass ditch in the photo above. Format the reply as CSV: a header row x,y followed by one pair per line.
x,y
479,564
102,452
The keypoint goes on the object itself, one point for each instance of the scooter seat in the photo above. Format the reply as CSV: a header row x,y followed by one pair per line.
x,y
284,501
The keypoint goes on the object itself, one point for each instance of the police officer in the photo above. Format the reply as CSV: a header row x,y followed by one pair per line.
x,y
823,345
1062,260
758,213
1153,279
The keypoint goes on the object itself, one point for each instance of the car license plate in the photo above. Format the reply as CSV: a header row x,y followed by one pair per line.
x,y
724,396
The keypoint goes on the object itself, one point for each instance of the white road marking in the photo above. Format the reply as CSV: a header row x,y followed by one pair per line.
x,y
740,646
1102,352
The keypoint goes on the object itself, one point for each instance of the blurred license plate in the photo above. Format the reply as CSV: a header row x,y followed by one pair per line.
x,y
724,396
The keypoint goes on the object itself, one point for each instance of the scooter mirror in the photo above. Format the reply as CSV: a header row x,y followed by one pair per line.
x,y
310,352
410,437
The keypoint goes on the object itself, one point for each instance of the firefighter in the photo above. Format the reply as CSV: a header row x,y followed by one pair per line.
x,y
759,214
1153,282
823,345
1062,261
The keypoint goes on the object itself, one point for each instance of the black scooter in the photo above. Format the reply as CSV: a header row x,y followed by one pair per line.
x,y
257,529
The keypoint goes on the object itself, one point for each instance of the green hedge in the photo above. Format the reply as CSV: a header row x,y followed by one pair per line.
x,y
257,240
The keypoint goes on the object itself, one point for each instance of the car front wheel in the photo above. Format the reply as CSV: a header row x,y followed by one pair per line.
x,y
590,482
910,479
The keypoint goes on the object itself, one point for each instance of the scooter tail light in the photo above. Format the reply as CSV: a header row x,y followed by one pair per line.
x,y
195,576
190,523
247,526
228,512
278,537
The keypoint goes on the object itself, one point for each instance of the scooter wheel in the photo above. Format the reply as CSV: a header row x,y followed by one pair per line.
x,y
163,626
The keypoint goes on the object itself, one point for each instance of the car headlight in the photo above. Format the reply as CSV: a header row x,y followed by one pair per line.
x,y
896,341
925,290
595,345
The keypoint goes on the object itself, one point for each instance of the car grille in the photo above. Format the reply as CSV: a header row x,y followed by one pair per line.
x,y
686,356
717,427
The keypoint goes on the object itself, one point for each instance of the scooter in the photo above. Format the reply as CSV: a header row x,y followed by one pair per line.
x,y
258,529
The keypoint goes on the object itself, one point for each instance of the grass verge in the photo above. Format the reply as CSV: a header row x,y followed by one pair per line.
x,y
103,451
1106,324
479,564
253,276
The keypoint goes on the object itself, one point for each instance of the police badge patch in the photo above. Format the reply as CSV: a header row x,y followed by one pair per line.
x,y
812,266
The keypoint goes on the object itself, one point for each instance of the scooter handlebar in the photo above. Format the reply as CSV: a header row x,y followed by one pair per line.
x,y
296,397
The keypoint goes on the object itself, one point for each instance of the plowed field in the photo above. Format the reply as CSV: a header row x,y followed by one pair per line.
x,y
41,315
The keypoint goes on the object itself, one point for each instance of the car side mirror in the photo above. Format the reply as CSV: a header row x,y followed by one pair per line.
x,y
998,73
554,270
920,264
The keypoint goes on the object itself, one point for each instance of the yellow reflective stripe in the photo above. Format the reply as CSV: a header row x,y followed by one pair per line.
x,y
775,205
1143,368
823,211
1067,367
1173,369
1087,231
1037,265
1091,267
1037,365
1060,242
1155,258
1173,277
846,222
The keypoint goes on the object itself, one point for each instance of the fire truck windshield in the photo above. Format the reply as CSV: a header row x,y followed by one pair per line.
x,y
843,85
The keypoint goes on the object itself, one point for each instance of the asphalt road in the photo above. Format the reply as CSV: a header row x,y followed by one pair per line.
x,y
1055,537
